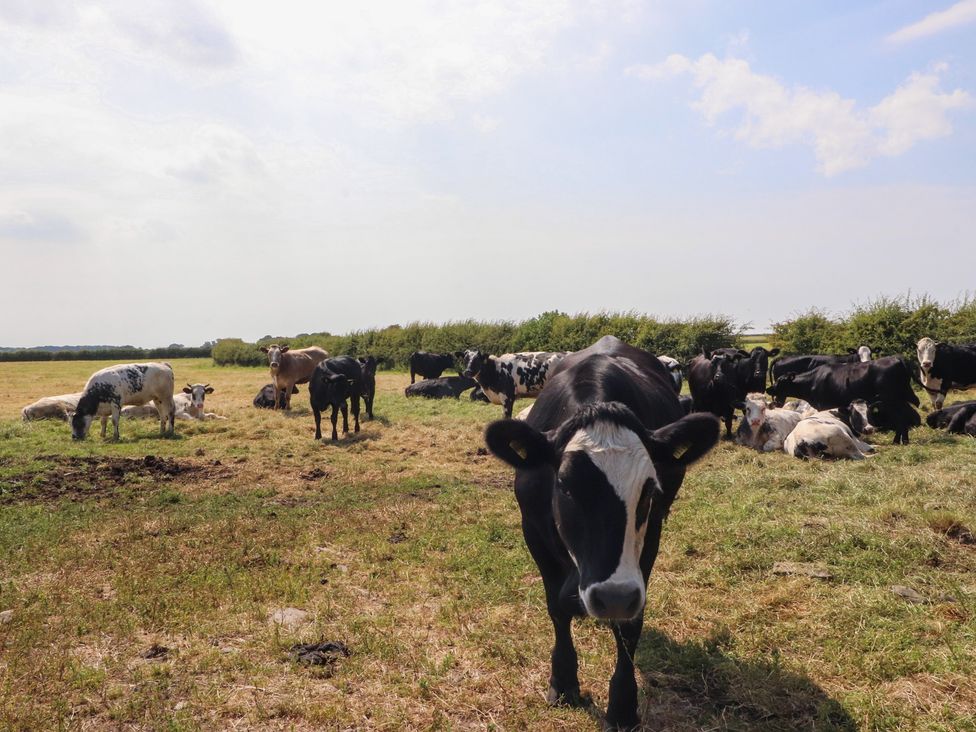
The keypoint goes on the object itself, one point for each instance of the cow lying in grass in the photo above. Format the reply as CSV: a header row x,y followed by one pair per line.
x,y
823,435
52,407
189,404
443,387
762,428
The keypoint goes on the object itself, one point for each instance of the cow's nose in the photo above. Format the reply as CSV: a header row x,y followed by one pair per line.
x,y
615,601
926,364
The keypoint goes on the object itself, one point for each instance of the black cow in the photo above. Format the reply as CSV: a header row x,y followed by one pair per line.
x,y
712,379
445,387
432,365
954,417
369,383
886,380
599,461
944,367
265,397
750,368
333,382
799,364
686,402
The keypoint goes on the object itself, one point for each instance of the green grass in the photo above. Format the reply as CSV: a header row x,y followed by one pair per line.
x,y
406,546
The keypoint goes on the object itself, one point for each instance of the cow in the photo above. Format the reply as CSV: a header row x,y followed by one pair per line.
x,y
443,387
477,395
432,365
368,365
673,366
291,367
954,417
944,366
885,379
867,418
110,389
750,368
189,402
764,429
333,382
799,405
598,463
798,364
52,407
265,398
505,378
712,381
686,402
822,435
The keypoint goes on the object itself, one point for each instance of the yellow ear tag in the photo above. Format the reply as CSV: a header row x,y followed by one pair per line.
x,y
519,449
680,450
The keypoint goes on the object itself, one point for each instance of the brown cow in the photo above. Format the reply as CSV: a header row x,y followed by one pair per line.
x,y
292,367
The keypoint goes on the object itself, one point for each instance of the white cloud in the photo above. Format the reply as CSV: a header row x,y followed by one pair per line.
x,y
843,137
961,13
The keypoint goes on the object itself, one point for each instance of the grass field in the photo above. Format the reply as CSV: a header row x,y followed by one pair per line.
x,y
141,589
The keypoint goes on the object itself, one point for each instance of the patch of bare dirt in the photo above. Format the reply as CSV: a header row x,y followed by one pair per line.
x,y
86,478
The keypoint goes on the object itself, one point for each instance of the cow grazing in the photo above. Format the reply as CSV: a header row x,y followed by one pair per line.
x,y
673,366
52,407
764,429
505,378
799,364
443,387
712,381
822,435
954,417
334,381
598,463
265,399
432,365
291,367
885,379
944,366
112,388
368,365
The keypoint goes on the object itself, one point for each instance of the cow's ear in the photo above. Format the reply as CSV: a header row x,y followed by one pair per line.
x,y
283,349
209,390
263,349
707,354
774,352
519,444
739,405
852,350
187,390
684,441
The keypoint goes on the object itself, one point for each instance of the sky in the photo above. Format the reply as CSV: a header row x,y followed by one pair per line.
x,y
184,170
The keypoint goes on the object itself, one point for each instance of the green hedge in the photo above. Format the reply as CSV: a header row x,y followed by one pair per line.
x,y
122,354
551,331
889,325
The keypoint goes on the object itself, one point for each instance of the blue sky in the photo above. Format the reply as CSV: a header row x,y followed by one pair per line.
x,y
180,171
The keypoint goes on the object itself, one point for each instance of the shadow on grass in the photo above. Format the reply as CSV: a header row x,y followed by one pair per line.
x,y
699,686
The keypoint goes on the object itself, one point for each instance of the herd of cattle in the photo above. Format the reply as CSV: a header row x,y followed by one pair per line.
x,y
600,455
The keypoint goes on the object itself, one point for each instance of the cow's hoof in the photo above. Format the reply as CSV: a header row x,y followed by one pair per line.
x,y
567,698
628,726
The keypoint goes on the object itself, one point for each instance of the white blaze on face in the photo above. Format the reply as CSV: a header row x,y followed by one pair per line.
x,y
926,353
864,353
621,456
274,357
198,395
755,413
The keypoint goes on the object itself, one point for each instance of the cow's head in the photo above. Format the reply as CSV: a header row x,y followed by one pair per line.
x,y
80,424
863,416
864,354
603,466
723,367
369,364
926,353
473,361
754,412
197,392
274,352
781,389
760,361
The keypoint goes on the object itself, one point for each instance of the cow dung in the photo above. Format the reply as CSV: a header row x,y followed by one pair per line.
x,y
324,653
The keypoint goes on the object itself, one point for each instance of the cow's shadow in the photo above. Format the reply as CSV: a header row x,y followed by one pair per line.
x,y
698,685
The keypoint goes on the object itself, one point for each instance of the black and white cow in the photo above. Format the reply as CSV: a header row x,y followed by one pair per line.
x,y
599,461
190,402
334,381
944,366
799,364
673,366
824,435
112,388
444,387
867,418
432,365
886,380
712,379
505,378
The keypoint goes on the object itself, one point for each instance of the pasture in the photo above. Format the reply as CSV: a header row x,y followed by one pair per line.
x,y
141,588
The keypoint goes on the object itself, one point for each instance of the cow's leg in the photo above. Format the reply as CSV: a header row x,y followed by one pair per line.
x,y
622,705
507,403
116,412
104,425
335,418
316,412
355,412
345,418
413,376
288,388
277,392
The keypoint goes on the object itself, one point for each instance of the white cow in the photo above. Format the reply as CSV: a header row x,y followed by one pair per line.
x,y
188,403
762,428
926,357
822,435
804,408
52,407
112,388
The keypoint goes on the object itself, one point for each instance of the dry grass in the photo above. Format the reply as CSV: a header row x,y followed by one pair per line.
x,y
404,543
